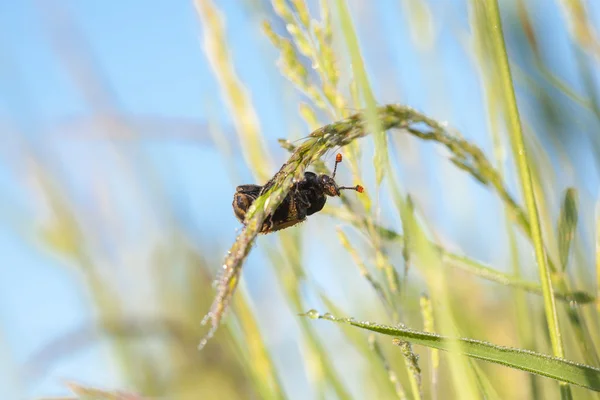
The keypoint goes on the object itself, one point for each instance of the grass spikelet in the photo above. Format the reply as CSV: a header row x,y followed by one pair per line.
x,y
412,364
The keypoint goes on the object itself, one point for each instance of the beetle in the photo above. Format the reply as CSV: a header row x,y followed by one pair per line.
x,y
305,198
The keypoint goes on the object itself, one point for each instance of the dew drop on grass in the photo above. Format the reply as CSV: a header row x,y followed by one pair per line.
x,y
312,314
328,316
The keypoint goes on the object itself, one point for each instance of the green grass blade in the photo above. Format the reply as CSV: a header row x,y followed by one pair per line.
x,y
520,154
524,360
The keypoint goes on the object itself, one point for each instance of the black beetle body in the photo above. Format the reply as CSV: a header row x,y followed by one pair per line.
x,y
305,198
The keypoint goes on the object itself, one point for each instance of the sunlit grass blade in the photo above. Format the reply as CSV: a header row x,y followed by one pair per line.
x,y
524,360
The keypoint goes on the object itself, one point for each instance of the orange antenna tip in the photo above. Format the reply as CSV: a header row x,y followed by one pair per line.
x,y
338,157
360,189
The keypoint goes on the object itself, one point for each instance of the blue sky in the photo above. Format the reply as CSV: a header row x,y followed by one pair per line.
x,y
148,58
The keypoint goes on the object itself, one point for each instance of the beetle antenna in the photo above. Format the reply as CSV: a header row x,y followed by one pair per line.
x,y
338,159
358,188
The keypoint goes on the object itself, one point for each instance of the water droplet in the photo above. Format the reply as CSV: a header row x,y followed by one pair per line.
x,y
328,316
312,314
205,319
349,320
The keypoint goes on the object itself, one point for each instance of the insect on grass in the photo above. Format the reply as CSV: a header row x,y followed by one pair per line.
x,y
306,197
